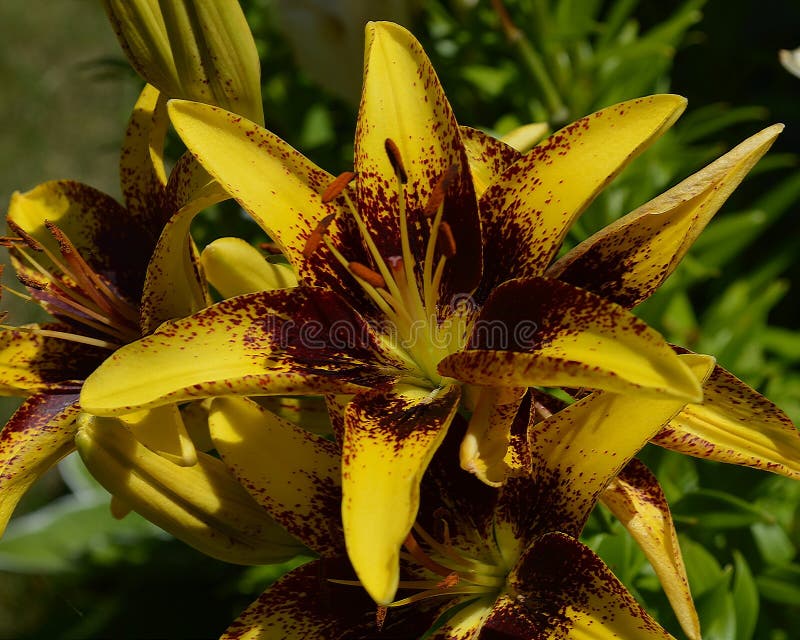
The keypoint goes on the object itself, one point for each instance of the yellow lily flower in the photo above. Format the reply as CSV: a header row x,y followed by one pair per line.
x,y
83,258
478,559
408,266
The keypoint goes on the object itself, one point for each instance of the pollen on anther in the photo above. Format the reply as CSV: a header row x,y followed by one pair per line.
x,y
395,158
446,241
27,238
336,187
368,275
33,283
440,190
64,245
317,235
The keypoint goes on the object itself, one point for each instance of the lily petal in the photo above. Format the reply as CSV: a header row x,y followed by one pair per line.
x,y
403,101
141,163
390,437
542,332
737,425
292,473
31,363
112,243
488,157
234,267
573,594
527,211
37,436
637,500
280,188
629,259
162,431
303,604
288,341
597,435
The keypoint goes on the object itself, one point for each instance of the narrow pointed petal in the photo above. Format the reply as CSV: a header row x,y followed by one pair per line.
x,y
541,332
309,412
526,136
141,163
288,341
304,605
112,243
629,259
570,593
202,505
488,157
292,473
37,436
466,624
526,213
280,188
174,286
598,435
162,431
31,363
637,500
390,437
234,267
737,425
484,449
403,101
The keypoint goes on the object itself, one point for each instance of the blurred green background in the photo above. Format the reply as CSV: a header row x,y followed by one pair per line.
x,y
68,570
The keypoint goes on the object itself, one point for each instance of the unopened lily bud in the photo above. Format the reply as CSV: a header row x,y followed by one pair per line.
x,y
193,50
202,505
235,267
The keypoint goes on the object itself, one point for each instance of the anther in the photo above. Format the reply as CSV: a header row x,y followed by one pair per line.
x,y
445,241
440,190
450,580
270,247
380,617
367,274
397,161
64,245
316,236
336,187
33,283
26,237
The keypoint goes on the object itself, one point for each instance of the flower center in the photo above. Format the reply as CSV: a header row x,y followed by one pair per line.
x,y
71,290
418,332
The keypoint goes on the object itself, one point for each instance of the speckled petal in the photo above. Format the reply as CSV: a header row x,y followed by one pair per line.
x,y
467,622
737,425
629,259
402,100
115,244
276,184
293,474
527,212
541,332
304,605
141,163
37,436
488,157
174,286
31,363
390,437
598,436
567,591
291,341
636,498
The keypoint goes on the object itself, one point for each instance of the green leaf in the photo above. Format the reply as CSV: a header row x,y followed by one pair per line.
x,y
702,568
712,509
775,546
745,598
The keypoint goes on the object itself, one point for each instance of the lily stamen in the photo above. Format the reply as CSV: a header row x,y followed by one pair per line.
x,y
63,335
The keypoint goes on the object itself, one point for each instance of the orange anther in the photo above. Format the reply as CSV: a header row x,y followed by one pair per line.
x,y
368,275
445,241
336,187
397,161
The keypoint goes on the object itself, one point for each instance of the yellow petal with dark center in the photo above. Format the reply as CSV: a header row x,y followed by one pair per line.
x,y
292,473
528,210
630,258
390,437
257,344
636,498
37,436
541,332
488,157
737,425
572,595
234,267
